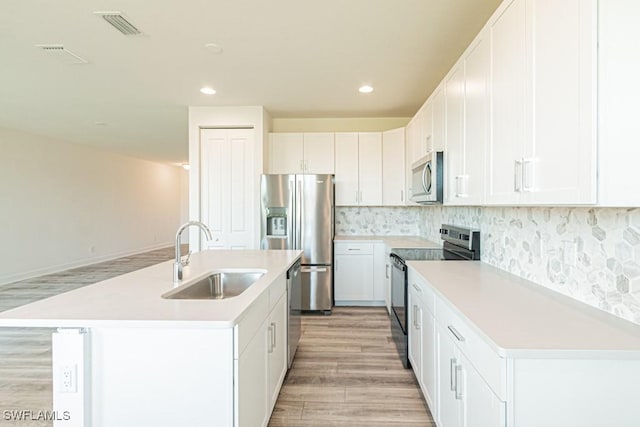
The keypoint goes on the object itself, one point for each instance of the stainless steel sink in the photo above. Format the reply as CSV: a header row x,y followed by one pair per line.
x,y
218,285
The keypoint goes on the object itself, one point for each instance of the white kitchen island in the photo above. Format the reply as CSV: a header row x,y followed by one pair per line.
x,y
125,356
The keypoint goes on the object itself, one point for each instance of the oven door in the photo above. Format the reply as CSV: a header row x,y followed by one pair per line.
x,y
399,291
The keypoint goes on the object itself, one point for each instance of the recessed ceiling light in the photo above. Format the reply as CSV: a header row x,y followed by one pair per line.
x,y
214,48
186,166
100,123
365,89
208,91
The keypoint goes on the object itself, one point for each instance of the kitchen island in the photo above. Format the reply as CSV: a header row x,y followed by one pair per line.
x,y
126,356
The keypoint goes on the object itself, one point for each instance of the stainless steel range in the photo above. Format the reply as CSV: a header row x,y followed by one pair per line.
x,y
460,244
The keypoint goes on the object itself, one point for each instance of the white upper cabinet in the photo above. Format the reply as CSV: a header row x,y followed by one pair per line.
x,y
370,168
393,168
454,107
319,152
438,120
358,168
301,153
542,147
286,153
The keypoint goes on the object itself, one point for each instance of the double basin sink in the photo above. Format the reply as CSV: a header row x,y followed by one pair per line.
x,y
221,284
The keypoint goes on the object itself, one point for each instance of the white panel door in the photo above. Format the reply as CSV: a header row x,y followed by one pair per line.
x,y
393,170
482,407
454,158
286,153
509,98
449,408
560,167
429,357
346,161
476,122
227,185
414,331
370,168
427,127
319,153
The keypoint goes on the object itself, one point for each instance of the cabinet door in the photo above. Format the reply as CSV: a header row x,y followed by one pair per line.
x,y
429,360
482,408
286,153
353,280
449,407
438,133
252,370
508,103
427,127
454,107
414,332
227,188
476,122
346,161
393,174
370,168
277,348
319,153
560,166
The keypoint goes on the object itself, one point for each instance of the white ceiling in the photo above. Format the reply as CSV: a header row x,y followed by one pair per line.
x,y
297,58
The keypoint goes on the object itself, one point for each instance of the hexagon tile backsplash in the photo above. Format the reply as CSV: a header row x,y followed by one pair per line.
x,y
391,221
589,254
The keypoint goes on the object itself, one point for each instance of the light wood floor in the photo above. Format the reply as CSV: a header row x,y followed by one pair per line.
x,y
346,371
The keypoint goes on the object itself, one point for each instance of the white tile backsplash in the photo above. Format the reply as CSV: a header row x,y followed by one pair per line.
x,y
589,254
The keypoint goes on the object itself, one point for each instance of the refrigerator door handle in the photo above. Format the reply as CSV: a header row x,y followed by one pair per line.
x,y
291,237
313,269
299,209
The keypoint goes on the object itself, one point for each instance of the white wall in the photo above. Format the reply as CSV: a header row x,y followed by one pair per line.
x,y
64,205
362,124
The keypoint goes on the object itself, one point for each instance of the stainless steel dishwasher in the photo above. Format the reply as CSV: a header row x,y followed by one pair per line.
x,y
294,296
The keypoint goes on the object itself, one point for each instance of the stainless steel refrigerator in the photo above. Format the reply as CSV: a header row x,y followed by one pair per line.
x,y
298,213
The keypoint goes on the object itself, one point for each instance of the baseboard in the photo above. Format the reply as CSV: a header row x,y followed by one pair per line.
x,y
5,280
361,303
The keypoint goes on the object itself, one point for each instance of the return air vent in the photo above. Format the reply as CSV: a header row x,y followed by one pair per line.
x,y
65,54
119,22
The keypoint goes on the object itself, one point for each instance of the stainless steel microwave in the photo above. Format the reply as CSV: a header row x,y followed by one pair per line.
x,y
426,179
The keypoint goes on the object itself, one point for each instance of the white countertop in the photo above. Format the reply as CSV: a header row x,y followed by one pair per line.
x,y
134,299
522,319
392,241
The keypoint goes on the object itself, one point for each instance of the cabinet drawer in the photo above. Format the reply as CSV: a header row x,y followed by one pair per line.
x,y
353,248
484,359
424,291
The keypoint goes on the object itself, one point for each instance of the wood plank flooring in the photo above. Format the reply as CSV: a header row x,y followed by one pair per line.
x,y
347,373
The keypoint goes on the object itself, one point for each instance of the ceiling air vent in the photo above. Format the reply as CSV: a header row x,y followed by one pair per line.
x,y
119,22
65,54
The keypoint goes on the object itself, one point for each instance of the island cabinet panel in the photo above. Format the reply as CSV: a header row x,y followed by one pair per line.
x,y
195,366
252,407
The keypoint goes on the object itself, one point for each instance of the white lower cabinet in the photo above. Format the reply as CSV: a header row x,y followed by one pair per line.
x,y
262,362
353,273
414,324
465,399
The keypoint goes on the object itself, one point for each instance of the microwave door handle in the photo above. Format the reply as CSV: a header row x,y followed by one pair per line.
x,y
424,179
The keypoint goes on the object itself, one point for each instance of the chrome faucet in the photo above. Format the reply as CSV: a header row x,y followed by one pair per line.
x,y
178,264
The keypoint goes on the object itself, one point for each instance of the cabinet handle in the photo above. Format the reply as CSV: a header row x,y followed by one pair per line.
x,y
270,338
357,196
402,195
452,379
353,249
418,320
416,287
302,165
456,334
461,187
360,197
275,339
306,165
517,176
386,271
527,174
458,390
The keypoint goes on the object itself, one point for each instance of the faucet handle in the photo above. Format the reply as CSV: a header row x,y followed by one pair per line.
x,y
186,262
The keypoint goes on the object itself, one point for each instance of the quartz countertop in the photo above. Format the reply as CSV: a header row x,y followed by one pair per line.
x,y
522,319
391,241
134,299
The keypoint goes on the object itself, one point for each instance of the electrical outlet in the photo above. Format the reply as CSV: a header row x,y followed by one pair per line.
x,y
68,379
